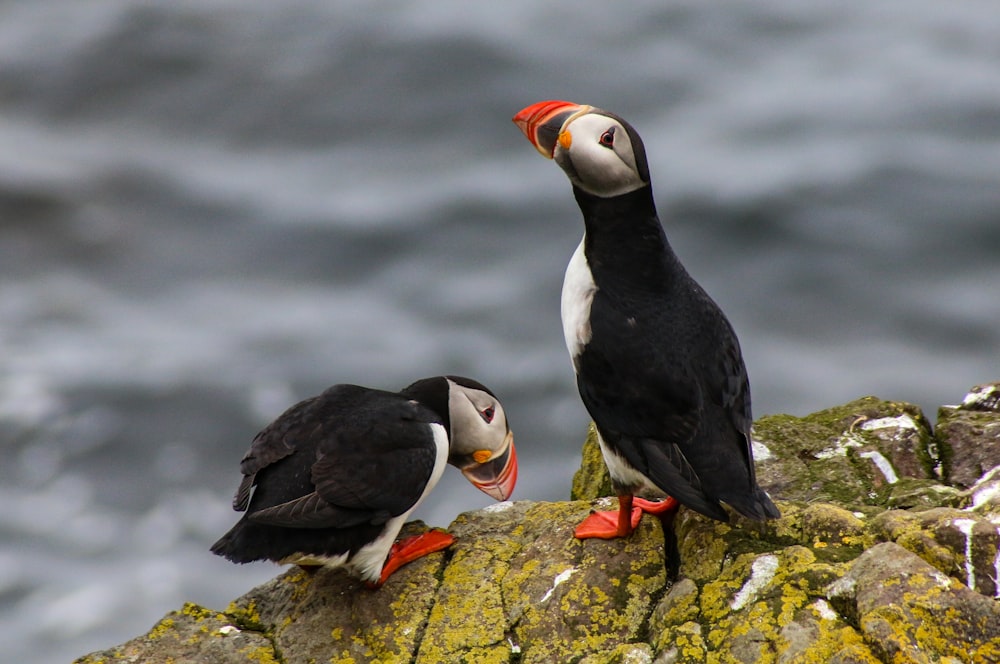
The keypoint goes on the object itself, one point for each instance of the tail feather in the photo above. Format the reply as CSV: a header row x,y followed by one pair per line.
x,y
757,506
236,547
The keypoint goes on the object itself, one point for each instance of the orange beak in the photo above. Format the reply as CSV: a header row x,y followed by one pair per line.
x,y
497,477
541,123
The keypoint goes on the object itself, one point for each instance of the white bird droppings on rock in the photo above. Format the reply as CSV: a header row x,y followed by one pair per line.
x,y
761,452
560,578
965,526
637,655
985,396
883,465
903,421
985,495
502,506
824,609
842,587
761,573
986,490
840,449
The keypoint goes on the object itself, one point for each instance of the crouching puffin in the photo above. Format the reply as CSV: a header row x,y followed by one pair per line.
x,y
657,364
333,479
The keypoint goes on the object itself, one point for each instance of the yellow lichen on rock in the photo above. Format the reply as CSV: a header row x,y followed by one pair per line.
x,y
682,644
191,634
591,480
469,611
160,629
845,575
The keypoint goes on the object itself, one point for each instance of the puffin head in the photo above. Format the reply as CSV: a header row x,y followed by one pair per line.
x,y
600,152
482,444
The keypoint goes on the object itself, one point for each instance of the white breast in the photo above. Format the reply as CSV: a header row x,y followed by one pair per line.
x,y
367,562
577,295
622,473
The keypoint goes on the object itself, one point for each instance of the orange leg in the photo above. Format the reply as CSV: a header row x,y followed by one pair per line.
x,y
657,507
407,550
612,524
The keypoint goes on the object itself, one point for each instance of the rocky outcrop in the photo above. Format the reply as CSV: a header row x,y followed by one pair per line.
x,y
886,551
970,435
515,585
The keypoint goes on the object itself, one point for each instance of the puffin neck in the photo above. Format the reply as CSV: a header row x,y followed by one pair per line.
x,y
636,209
625,239
432,393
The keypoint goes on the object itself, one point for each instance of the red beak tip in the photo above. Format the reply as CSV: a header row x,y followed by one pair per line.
x,y
542,109
530,118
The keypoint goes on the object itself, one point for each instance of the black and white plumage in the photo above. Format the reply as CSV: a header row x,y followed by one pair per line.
x,y
658,365
333,479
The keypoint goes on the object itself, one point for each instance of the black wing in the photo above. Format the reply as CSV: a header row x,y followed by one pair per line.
x,y
348,457
654,388
275,442
633,379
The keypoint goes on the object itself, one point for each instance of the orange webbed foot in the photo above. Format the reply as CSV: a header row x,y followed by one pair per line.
x,y
411,548
613,524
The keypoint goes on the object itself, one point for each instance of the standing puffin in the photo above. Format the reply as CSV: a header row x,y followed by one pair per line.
x,y
657,364
333,479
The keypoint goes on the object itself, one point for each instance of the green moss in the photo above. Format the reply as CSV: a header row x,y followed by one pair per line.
x,y
815,577
817,456
591,480
833,533
945,452
919,494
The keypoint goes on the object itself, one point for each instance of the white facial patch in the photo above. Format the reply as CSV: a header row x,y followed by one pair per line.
x,y
599,170
469,431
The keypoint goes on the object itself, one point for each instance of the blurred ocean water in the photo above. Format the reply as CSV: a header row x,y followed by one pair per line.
x,y
209,211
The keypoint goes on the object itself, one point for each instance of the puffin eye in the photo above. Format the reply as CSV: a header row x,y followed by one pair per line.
x,y
488,414
608,138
